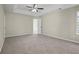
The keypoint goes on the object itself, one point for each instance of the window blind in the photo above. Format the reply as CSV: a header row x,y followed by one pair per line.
x,y
77,24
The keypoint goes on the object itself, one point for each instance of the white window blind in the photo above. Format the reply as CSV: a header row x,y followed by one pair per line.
x,y
77,24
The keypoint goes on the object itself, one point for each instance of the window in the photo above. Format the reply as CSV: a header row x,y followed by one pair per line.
x,y
35,26
77,24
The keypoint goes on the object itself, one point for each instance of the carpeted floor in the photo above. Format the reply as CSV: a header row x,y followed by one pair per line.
x,y
38,44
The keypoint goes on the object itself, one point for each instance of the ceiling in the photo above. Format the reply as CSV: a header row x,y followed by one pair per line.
x,y
22,9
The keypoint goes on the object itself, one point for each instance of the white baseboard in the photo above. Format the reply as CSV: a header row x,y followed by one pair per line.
x,y
49,36
17,35
62,38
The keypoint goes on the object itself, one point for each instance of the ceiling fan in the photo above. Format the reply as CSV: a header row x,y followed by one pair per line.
x,y
34,8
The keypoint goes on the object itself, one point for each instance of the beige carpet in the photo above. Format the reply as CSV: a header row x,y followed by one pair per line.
x,y
38,44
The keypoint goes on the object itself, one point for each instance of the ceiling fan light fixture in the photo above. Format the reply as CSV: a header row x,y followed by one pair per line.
x,y
34,10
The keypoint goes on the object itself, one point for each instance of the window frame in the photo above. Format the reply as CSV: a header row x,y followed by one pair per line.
x,y
77,23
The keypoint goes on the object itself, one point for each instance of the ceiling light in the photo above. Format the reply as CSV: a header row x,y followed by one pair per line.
x,y
34,10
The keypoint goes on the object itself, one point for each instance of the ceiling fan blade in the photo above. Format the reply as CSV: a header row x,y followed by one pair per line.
x,y
29,6
40,8
37,10
33,5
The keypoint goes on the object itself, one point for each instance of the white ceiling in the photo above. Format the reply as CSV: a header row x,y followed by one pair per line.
x,y
22,9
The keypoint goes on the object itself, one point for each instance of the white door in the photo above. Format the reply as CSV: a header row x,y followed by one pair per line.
x,y
36,26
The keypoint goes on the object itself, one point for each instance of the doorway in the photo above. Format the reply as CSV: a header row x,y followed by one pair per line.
x,y
36,26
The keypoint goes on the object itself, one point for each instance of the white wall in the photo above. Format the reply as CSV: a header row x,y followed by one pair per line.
x,y
2,17
61,24
17,24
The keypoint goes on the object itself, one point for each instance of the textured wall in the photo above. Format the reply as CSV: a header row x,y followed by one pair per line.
x,y
61,24
2,17
17,24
